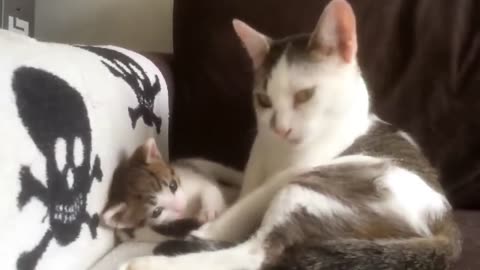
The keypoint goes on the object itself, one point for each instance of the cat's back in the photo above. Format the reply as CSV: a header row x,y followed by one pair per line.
x,y
410,199
384,140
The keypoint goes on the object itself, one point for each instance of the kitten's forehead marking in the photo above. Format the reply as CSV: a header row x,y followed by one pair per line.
x,y
156,183
151,199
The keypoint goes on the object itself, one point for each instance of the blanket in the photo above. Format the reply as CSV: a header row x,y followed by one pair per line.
x,y
68,115
139,242
122,253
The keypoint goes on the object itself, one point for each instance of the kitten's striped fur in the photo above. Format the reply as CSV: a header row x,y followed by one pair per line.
x,y
146,190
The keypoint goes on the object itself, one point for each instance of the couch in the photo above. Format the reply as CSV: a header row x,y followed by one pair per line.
x,y
421,60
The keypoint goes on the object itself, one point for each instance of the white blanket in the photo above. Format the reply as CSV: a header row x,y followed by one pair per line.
x,y
123,253
68,114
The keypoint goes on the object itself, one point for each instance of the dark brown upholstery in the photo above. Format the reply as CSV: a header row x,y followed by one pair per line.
x,y
421,59
469,222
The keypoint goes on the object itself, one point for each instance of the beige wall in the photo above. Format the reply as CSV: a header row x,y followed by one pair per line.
x,y
137,24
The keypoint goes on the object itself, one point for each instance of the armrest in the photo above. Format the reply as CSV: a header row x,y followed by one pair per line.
x,y
164,62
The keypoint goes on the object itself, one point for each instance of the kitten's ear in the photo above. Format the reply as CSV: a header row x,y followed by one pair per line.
x,y
256,43
147,153
335,32
151,151
116,217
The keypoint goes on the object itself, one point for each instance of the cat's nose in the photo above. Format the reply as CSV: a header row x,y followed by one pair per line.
x,y
282,132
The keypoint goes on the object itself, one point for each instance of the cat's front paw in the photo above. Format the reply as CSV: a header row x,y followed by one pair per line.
x,y
146,263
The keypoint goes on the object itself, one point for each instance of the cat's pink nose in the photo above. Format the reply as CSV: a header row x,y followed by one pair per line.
x,y
282,132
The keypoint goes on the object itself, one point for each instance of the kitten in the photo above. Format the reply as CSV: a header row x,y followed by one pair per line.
x,y
328,185
146,189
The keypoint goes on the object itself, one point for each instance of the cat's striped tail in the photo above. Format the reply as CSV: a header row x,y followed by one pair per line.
x,y
436,253
432,253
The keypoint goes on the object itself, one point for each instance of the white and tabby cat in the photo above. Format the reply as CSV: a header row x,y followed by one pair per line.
x,y
328,185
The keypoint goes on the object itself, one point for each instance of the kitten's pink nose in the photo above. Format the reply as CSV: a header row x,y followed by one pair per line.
x,y
282,132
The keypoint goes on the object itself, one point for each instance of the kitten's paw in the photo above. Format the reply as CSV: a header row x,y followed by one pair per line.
x,y
201,232
208,215
205,232
198,234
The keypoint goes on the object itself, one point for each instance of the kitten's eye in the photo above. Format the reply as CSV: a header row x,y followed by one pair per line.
x,y
303,96
173,186
263,100
157,212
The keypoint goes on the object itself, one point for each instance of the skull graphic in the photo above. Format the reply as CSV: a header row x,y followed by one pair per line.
x,y
57,121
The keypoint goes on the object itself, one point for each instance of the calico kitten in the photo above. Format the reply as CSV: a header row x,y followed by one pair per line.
x,y
146,189
328,185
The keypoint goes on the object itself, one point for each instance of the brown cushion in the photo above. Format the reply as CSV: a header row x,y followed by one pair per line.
x,y
469,222
421,59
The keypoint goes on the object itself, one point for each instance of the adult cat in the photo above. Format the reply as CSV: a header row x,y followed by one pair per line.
x,y
357,193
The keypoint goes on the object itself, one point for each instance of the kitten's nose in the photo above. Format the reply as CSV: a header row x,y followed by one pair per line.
x,y
282,132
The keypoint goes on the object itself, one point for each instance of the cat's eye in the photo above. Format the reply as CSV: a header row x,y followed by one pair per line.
x,y
173,186
263,100
303,96
157,212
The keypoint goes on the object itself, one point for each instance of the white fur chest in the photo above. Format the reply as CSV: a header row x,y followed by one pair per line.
x,y
277,157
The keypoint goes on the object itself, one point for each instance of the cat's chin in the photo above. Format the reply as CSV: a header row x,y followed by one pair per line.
x,y
292,141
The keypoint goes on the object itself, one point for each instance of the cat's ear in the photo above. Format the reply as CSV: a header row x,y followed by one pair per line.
x,y
147,153
335,32
151,151
256,43
116,217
